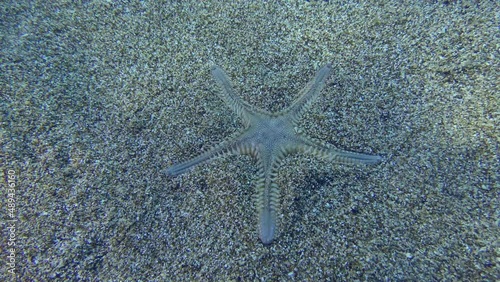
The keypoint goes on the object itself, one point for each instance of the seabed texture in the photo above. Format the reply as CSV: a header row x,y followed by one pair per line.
x,y
98,98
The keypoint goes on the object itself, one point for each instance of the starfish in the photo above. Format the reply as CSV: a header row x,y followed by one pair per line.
x,y
268,138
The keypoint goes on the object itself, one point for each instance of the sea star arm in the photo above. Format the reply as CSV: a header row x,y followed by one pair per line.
x,y
185,166
339,156
309,94
266,204
228,95
229,146
267,195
